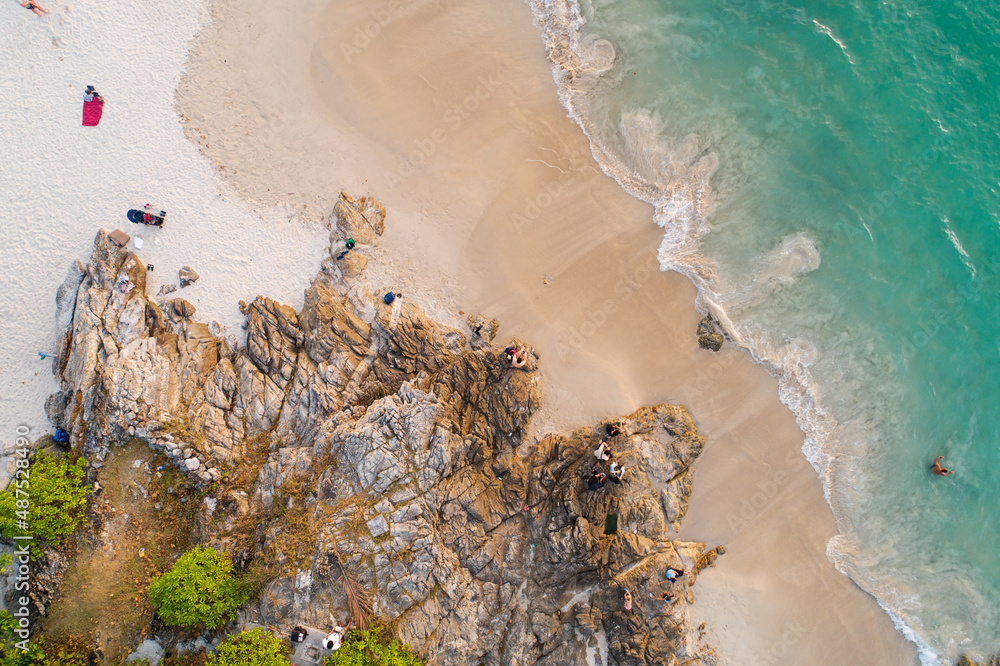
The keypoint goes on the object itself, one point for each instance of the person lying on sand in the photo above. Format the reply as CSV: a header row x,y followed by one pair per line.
x,y
941,471
29,4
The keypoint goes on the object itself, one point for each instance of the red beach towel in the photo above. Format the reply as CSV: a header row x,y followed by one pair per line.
x,y
92,111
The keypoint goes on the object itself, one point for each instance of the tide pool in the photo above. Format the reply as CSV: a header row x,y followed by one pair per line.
x,y
828,174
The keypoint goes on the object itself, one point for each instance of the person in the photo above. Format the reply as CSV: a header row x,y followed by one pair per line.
x,y
298,634
613,429
672,575
628,600
516,356
603,451
597,480
33,6
334,638
616,472
668,597
93,107
941,471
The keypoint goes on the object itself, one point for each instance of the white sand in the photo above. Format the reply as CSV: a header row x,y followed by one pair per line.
x,y
61,182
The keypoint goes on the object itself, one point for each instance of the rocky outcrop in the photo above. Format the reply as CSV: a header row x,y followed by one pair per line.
x,y
710,334
358,440
481,555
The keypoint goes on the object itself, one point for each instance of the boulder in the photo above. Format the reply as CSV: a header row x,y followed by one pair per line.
x,y
187,276
710,334
352,264
182,309
149,650
483,330
362,219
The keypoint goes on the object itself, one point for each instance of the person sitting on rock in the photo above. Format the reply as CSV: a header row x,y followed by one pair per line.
x,y
517,357
612,429
616,472
604,451
668,597
672,575
597,480
628,600
298,635
334,638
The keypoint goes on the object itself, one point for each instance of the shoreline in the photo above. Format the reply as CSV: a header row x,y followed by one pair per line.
x,y
682,206
576,272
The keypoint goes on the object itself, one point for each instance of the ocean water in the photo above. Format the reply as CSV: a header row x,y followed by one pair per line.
x,y
829,175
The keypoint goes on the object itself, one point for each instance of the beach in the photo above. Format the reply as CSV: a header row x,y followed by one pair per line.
x,y
446,111
62,182
497,207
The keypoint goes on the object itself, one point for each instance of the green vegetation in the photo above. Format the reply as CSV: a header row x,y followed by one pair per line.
x,y
364,648
198,591
48,503
39,652
250,648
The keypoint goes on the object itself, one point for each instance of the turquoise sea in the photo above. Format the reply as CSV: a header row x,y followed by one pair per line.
x,y
829,174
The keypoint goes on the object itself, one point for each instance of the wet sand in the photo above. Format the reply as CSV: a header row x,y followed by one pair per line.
x,y
446,111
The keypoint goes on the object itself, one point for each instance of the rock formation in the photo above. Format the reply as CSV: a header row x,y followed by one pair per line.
x,y
187,276
710,334
359,442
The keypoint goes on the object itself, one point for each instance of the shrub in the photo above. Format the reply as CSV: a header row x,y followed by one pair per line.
x,y
49,504
363,648
250,648
199,590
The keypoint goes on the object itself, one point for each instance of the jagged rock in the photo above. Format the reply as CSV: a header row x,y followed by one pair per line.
x,y
483,330
965,661
362,219
166,289
182,309
352,264
709,334
187,276
378,526
372,423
